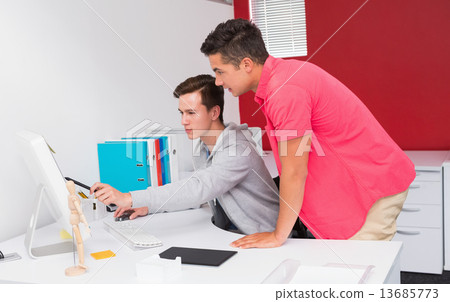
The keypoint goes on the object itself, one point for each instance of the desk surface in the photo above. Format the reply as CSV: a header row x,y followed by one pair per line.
x,y
193,228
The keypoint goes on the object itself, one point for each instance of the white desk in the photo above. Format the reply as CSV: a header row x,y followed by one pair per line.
x,y
193,228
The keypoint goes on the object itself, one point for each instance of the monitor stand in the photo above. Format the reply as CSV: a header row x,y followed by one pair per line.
x,y
53,249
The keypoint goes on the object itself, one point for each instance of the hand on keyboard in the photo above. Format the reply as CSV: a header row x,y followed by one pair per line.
x,y
135,212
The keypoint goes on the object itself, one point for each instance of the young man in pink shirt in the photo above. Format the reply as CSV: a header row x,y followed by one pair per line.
x,y
340,172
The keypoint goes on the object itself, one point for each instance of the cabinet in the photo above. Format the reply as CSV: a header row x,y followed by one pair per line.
x,y
420,225
446,172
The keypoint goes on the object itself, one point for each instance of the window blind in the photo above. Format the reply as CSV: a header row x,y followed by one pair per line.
x,y
282,24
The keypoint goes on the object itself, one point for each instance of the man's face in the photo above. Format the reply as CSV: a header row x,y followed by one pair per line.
x,y
237,81
195,117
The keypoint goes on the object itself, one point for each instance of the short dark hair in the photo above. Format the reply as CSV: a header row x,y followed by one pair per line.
x,y
211,94
235,40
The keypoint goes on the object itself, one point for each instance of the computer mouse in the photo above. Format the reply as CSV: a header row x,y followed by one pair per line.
x,y
125,215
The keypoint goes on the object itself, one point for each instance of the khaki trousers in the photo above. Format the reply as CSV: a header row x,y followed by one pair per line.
x,y
381,220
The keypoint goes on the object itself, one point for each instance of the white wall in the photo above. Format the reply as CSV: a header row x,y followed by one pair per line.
x,y
66,75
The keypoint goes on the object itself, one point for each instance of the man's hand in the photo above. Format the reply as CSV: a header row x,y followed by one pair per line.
x,y
136,212
261,240
107,194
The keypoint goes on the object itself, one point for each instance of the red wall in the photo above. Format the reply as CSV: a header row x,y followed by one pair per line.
x,y
393,54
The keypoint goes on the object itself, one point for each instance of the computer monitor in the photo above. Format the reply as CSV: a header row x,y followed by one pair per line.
x,y
51,183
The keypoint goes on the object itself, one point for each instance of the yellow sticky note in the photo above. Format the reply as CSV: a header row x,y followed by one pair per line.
x,y
64,235
103,255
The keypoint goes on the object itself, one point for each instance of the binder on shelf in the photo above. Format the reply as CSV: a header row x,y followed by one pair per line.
x,y
136,163
124,170
153,150
159,167
173,157
167,156
156,165
180,151
164,157
170,157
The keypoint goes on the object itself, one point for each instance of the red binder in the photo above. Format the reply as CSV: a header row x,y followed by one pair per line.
x,y
158,162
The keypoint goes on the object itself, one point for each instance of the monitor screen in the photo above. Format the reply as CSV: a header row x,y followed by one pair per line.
x,y
44,169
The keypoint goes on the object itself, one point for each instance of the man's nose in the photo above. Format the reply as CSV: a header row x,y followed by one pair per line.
x,y
184,119
219,81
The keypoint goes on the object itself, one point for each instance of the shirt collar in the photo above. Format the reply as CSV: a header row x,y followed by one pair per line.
x,y
261,91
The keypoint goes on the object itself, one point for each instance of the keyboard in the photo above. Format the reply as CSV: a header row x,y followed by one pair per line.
x,y
132,235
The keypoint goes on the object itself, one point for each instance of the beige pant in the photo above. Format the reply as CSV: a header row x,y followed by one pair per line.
x,y
381,220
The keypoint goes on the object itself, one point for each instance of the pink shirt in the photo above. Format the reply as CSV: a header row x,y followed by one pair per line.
x,y
353,162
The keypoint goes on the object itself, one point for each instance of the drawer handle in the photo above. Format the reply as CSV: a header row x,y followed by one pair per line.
x,y
420,172
408,232
411,210
414,186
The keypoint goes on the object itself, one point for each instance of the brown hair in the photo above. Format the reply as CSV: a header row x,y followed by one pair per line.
x,y
211,94
235,40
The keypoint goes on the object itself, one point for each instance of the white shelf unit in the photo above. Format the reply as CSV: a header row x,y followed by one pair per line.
x,y
420,225
446,172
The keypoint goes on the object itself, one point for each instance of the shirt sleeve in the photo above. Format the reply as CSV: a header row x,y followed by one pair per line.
x,y
289,109
204,185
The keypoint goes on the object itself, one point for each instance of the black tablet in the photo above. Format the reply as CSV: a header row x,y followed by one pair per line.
x,y
198,256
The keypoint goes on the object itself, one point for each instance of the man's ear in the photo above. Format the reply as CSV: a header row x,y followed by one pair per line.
x,y
215,112
247,64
